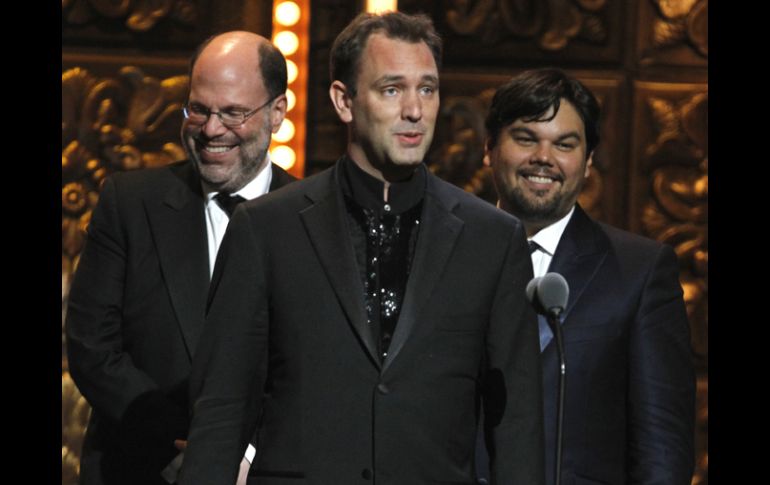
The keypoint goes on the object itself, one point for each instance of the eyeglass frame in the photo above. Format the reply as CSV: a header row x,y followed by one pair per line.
x,y
246,115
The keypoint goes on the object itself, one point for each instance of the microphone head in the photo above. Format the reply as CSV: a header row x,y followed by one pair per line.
x,y
553,292
532,289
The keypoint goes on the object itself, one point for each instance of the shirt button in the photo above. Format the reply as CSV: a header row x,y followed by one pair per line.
x,y
382,389
387,207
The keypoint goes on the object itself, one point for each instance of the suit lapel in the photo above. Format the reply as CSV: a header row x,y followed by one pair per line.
x,y
578,256
179,232
325,224
280,177
439,229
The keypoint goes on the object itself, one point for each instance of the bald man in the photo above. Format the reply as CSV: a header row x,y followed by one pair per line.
x,y
137,303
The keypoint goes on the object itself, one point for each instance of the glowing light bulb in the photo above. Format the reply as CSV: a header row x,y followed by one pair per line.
x,y
381,6
287,42
292,71
287,13
291,99
283,156
285,132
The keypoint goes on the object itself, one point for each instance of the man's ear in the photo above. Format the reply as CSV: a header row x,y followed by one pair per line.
x,y
487,161
341,100
589,164
278,113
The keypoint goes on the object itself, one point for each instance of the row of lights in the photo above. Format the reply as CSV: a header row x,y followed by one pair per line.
x,y
291,25
290,35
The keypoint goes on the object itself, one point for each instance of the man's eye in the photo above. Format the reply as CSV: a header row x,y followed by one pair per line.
x,y
390,91
427,90
523,140
565,146
198,109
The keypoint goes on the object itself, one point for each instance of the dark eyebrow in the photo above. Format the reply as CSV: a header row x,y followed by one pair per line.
x,y
231,107
389,79
571,134
395,78
516,130
526,131
430,78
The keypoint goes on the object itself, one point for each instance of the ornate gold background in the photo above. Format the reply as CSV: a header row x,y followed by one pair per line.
x,y
124,78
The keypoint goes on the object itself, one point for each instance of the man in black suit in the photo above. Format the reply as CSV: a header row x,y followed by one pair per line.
x,y
630,387
137,304
362,333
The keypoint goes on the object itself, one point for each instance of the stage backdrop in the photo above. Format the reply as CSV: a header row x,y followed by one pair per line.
x,y
124,80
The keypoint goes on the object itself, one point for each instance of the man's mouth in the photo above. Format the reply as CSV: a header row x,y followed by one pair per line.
x,y
218,148
539,179
410,137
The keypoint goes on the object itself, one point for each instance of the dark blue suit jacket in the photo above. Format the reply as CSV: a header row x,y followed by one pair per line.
x,y
630,390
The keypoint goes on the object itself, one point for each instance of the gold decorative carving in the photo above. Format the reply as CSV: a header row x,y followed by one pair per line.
x,y
110,124
678,211
675,8
701,475
552,23
681,21
139,15
120,123
676,158
74,412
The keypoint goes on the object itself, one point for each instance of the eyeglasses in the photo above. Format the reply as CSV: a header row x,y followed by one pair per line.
x,y
199,114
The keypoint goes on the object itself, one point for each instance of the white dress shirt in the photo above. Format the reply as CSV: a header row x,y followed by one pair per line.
x,y
216,225
548,238
217,219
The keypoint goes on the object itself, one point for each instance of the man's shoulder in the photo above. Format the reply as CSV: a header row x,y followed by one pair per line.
x,y
629,243
141,179
300,191
466,205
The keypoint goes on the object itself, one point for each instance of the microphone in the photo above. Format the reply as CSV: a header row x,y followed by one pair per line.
x,y
549,295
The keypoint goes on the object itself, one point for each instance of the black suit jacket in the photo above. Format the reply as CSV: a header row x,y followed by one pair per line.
x,y
286,349
630,395
135,314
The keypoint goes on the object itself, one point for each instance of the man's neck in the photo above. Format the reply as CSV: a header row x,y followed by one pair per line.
x,y
387,173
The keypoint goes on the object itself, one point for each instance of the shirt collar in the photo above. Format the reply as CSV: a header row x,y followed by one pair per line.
x,y
548,238
367,191
259,185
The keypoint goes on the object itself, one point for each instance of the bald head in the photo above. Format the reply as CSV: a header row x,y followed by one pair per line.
x,y
254,54
236,100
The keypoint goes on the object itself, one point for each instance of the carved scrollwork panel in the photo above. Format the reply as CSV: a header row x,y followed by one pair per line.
x,y
75,412
670,204
136,15
484,31
121,122
129,23
673,32
457,151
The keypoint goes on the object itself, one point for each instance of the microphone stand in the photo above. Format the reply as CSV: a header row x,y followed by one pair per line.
x,y
553,322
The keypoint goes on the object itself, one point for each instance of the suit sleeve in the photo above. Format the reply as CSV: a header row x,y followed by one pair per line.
x,y
230,364
661,382
100,364
513,402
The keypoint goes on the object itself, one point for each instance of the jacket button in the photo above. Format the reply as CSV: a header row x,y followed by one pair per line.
x,y
366,474
382,388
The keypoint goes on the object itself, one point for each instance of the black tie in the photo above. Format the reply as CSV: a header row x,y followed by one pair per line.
x,y
228,202
533,246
